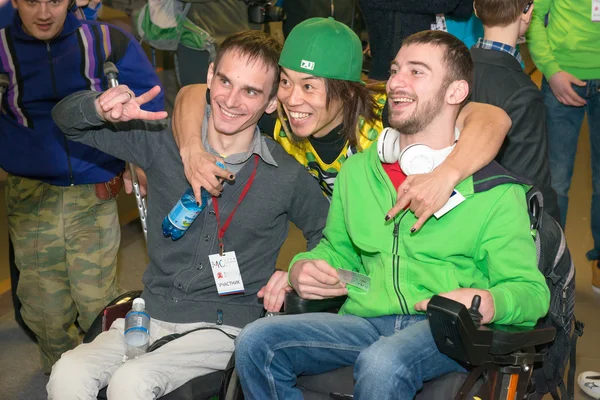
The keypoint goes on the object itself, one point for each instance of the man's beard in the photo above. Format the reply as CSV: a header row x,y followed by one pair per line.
x,y
421,117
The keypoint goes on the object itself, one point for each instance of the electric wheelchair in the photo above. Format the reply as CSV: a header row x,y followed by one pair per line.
x,y
499,359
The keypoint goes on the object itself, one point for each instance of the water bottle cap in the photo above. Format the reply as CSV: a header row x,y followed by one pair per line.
x,y
138,303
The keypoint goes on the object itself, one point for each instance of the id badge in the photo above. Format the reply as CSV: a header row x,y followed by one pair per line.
x,y
226,272
440,23
595,10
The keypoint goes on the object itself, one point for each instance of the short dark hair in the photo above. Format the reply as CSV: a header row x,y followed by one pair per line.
x,y
499,12
457,58
255,46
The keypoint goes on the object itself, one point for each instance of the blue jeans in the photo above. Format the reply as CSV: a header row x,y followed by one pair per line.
x,y
392,355
564,124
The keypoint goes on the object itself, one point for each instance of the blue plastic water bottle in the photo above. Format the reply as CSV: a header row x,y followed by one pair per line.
x,y
179,219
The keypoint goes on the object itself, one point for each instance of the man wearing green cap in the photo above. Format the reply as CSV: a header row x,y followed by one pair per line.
x,y
327,114
482,246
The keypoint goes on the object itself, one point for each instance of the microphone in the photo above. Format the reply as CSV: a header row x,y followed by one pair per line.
x,y
3,86
111,72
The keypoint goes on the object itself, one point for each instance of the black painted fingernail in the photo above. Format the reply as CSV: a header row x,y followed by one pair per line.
x,y
387,217
198,203
412,230
231,176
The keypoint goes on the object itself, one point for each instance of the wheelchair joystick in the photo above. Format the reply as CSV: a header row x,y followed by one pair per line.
x,y
474,311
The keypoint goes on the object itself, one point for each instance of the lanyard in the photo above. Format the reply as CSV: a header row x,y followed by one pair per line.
x,y
223,228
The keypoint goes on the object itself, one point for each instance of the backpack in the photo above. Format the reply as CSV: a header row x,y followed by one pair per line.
x,y
554,261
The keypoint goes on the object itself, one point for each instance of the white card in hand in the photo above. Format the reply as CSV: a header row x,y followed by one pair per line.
x,y
355,279
455,199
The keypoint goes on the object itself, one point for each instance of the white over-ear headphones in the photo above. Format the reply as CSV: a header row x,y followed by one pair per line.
x,y
414,159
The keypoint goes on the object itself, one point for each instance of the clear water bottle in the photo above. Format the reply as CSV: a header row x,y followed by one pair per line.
x,y
137,330
179,219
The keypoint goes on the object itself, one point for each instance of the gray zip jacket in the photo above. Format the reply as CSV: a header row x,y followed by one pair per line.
x,y
178,282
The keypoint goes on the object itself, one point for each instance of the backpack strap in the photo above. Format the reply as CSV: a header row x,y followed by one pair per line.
x,y
493,175
535,204
577,332
549,377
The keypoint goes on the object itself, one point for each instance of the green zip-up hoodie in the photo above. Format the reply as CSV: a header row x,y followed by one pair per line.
x,y
483,243
570,43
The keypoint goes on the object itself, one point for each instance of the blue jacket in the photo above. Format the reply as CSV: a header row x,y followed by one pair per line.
x,y
6,14
43,73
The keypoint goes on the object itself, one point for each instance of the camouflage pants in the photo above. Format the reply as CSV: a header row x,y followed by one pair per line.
x,y
66,242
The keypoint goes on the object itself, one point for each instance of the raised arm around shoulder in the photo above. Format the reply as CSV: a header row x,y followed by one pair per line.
x,y
483,129
199,166
188,114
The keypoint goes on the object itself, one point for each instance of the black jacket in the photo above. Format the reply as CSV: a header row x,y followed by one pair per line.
x,y
499,80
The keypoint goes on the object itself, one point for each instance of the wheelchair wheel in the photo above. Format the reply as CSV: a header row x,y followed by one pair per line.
x,y
230,385
234,389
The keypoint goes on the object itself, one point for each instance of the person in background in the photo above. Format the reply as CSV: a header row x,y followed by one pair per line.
x,y
500,80
567,52
89,8
7,11
60,195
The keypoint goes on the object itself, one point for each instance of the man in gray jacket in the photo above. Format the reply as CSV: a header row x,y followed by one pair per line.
x,y
242,230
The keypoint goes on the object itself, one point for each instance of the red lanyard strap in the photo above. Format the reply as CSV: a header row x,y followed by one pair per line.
x,y
223,229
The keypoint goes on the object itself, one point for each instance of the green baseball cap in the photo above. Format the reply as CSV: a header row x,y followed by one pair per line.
x,y
325,48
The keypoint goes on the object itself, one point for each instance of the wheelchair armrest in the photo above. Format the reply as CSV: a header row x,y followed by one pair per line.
x,y
118,308
508,339
455,333
125,298
457,336
294,304
121,304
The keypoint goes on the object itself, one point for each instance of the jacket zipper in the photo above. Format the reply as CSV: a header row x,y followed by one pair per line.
x,y
396,265
71,179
